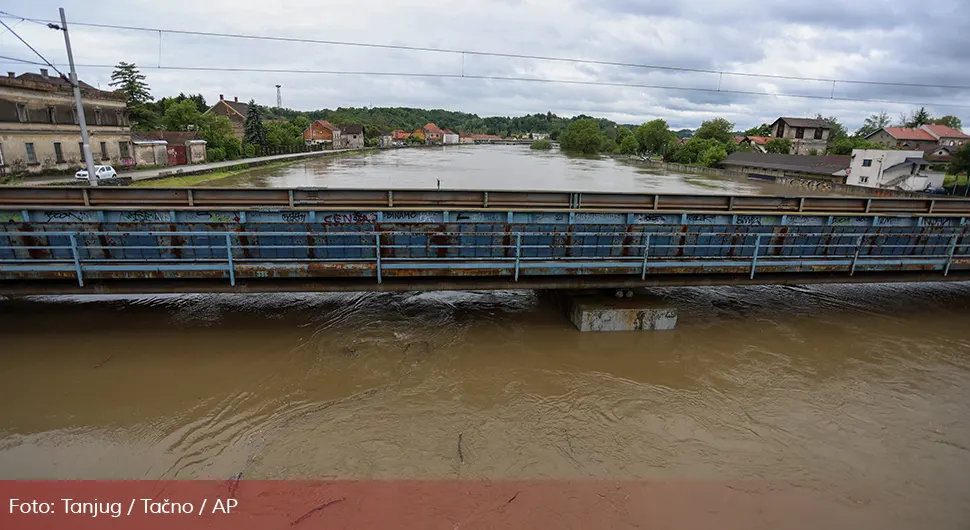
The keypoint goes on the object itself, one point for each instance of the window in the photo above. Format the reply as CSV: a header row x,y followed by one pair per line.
x,y
799,132
123,148
98,117
104,150
58,153
50,115
118,119
781,130
80,149
31,154
867,162
1,154
74,113
863,180
818,133
22,114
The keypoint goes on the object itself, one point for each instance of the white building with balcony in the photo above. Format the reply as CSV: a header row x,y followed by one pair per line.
x,y
893,170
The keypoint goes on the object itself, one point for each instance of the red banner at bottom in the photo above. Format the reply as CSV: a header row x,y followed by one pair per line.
x,y
425,504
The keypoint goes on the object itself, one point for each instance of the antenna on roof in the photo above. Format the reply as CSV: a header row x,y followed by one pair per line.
x,y
279,97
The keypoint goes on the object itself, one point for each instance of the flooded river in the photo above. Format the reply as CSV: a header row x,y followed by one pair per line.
x,y
506,167
856,398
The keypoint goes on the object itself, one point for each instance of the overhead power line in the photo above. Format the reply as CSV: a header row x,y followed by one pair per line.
x,y
497,54
519,79
27,44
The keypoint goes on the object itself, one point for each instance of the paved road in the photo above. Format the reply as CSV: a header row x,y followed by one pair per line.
x,y
196,168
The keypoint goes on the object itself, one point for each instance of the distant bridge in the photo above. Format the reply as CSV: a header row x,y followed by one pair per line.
x,y
127,240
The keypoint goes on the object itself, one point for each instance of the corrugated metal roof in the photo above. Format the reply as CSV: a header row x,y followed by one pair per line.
x,y
818,165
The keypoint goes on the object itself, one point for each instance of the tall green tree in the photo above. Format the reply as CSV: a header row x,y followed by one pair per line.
x,y
654,137
838,130
780,146
872,124
916,118
254,133
583,136
130,82
762,130
181,116
950,121
961,160
717,129
629,146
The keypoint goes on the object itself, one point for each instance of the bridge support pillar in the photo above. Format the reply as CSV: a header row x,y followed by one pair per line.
x,y
602,311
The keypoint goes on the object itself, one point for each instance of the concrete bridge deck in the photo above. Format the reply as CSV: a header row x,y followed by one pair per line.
x,y
74,240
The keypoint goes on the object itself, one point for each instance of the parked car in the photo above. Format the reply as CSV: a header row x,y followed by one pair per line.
x,y
102,172
936,191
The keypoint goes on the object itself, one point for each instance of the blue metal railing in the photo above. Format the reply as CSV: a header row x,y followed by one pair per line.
x,y
512,253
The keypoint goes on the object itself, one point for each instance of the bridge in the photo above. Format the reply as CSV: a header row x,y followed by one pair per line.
x,y
152,240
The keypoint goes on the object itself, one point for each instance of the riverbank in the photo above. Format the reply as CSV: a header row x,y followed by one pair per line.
x,y
196,178
166,172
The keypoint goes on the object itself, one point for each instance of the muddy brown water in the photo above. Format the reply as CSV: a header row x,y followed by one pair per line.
x,y
492,167
862,392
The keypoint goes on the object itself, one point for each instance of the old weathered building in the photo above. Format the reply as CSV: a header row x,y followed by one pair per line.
x,y
830,167
351,136
808,135
168,148
235,111
40,131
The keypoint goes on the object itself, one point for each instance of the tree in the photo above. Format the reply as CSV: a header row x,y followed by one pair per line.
x,y
845,146
543,144
780,146
629,146
253,131
762,130
302,122
717,129
371,131
181,116
654,137
915,119
950,121
582,136
217,132
961,160
712,155
838,130
872,124
130,82
622,133
283,134
693,150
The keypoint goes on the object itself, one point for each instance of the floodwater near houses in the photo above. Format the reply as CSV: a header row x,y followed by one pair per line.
x,y
491,167
851,402
804,407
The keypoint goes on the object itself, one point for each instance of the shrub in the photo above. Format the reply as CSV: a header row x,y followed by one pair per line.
x,y
216,154
543,144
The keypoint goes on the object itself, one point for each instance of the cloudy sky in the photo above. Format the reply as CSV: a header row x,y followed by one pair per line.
x,y
864,40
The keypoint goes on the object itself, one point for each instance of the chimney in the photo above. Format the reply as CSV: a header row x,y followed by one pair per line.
x,y
236,99
43,72
220,97
11,75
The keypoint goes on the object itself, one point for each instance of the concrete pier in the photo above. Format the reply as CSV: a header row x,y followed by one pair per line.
x,y
601,311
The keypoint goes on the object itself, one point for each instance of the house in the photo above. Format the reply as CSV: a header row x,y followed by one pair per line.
x,y
481,138
938,154
829,167
40,130
351,136
946,136
757,143
419,133
903,137
449,137
235,111
399,136
432,134
322,132
892,169
385,139
806,134
168,148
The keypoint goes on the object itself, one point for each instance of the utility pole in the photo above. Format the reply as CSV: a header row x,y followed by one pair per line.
x,y
279,97
85,141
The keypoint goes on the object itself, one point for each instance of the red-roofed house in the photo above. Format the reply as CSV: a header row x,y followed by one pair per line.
x,y
903,137
321,132
399,136
946,136
757,143
432,134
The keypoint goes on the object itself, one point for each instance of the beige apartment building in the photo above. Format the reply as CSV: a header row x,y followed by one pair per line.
x,y
39,128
